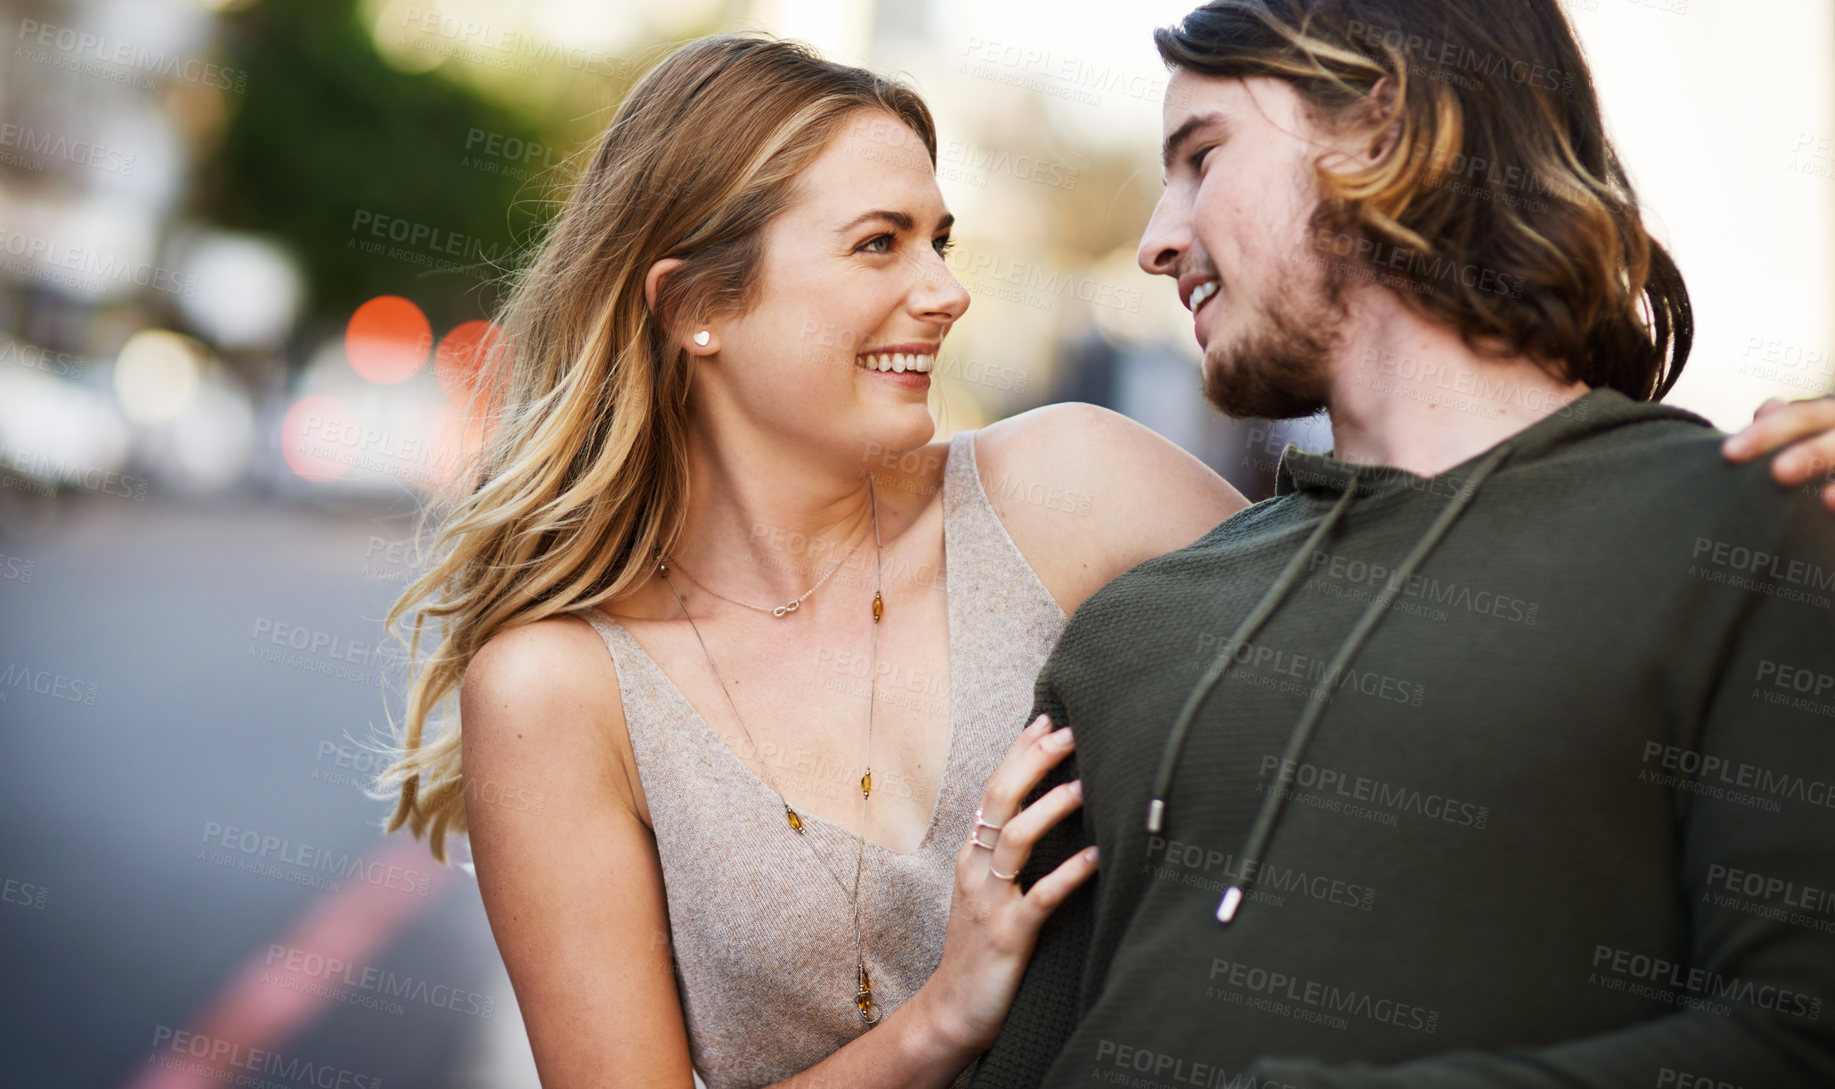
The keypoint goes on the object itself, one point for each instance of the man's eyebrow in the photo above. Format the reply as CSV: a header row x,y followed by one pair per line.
x,y
1174,143
901,220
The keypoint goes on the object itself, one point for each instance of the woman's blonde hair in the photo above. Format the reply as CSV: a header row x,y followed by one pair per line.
x,y
582,476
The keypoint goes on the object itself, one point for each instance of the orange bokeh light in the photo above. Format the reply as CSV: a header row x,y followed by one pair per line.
x,y
319,437
455,440
387,339
462,352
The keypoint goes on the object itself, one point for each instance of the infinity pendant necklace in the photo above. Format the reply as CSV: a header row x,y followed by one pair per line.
x,y
863,991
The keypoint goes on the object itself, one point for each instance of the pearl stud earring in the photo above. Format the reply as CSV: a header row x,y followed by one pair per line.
x,y
702,338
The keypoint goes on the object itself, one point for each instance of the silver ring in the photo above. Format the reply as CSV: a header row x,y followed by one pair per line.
x,y
1003,876
975,835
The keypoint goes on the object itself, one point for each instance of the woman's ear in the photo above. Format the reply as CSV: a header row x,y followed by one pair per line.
x,y
654,277
702,341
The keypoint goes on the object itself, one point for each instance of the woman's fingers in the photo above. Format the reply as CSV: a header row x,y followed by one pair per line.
x,y
1024,828
1049,891
1024,766
998,800
1807,460
1808,424
1034,730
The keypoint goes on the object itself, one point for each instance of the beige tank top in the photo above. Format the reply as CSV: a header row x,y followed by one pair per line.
x,y
763,938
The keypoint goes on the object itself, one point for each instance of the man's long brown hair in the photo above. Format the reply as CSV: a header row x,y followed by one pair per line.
x,y
1499,199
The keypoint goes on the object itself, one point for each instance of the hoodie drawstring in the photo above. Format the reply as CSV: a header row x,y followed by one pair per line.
x,y
1169,757
1274,801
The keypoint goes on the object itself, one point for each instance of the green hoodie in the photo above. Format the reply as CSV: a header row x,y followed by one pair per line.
x,y
1521,775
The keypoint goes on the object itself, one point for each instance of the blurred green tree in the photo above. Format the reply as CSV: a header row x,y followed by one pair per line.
x,y
382,181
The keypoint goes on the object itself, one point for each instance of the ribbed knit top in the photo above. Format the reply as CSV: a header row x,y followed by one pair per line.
x,y
762,936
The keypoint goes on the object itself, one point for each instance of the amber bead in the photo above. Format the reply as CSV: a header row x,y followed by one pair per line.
x,y
866,784
863,998
879,607
796,822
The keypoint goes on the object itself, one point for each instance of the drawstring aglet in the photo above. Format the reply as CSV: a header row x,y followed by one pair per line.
x,y
1232,899
1156,816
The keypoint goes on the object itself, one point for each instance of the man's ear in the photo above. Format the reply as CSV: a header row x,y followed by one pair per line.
x,y
1382,105
655,277
1364,135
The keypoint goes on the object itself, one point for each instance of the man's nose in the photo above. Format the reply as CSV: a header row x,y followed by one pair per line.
x,y
1167,236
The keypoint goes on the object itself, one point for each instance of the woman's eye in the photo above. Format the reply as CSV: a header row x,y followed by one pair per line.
x,y
874,241
944,245
1196,162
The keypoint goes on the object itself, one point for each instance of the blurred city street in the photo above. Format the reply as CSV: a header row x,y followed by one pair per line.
x,y
142,716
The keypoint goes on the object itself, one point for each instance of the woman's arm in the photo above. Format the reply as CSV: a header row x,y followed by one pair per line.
x,y
573,887
1087,493
1050,999
574,892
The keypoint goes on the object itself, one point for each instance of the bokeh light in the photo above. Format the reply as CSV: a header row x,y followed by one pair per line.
x,y
387,339
462,352
315,431
455,438
156,375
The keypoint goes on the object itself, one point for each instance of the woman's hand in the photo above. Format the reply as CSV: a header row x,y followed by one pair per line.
x,y
1806,427
993,926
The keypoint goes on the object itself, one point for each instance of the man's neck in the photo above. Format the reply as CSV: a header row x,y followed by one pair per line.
x,y
1408,393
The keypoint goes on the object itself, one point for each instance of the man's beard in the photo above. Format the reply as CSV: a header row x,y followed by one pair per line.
x,y
1280,367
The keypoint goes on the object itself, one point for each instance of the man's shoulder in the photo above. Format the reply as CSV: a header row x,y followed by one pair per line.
x,y
1671,471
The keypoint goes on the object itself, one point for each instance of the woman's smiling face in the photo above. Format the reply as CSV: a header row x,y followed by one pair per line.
x,y
852,285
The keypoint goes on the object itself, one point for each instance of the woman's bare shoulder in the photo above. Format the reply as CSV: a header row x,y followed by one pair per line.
x,y
1086,493
546,694
568,874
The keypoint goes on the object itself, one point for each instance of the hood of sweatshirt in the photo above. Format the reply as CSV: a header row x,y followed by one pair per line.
x,y
1343,483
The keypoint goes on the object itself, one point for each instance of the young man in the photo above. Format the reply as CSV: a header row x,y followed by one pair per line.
x,y
1498,749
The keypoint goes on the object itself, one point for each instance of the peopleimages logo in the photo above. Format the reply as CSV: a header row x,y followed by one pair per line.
x,y
88,269
1668,1078
1388,796
1192,864
1427,588
181,1046
1323,996
34,146
1717,777
1690,982
291,967
1772,888
16,677
265,852
1762,564
1272,663
1176,1068
1426,269
82,43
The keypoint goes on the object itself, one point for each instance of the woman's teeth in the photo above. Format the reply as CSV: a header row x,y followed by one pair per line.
x,y
898,363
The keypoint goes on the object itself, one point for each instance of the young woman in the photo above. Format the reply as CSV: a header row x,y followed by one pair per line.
x,y
746,657
720,362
